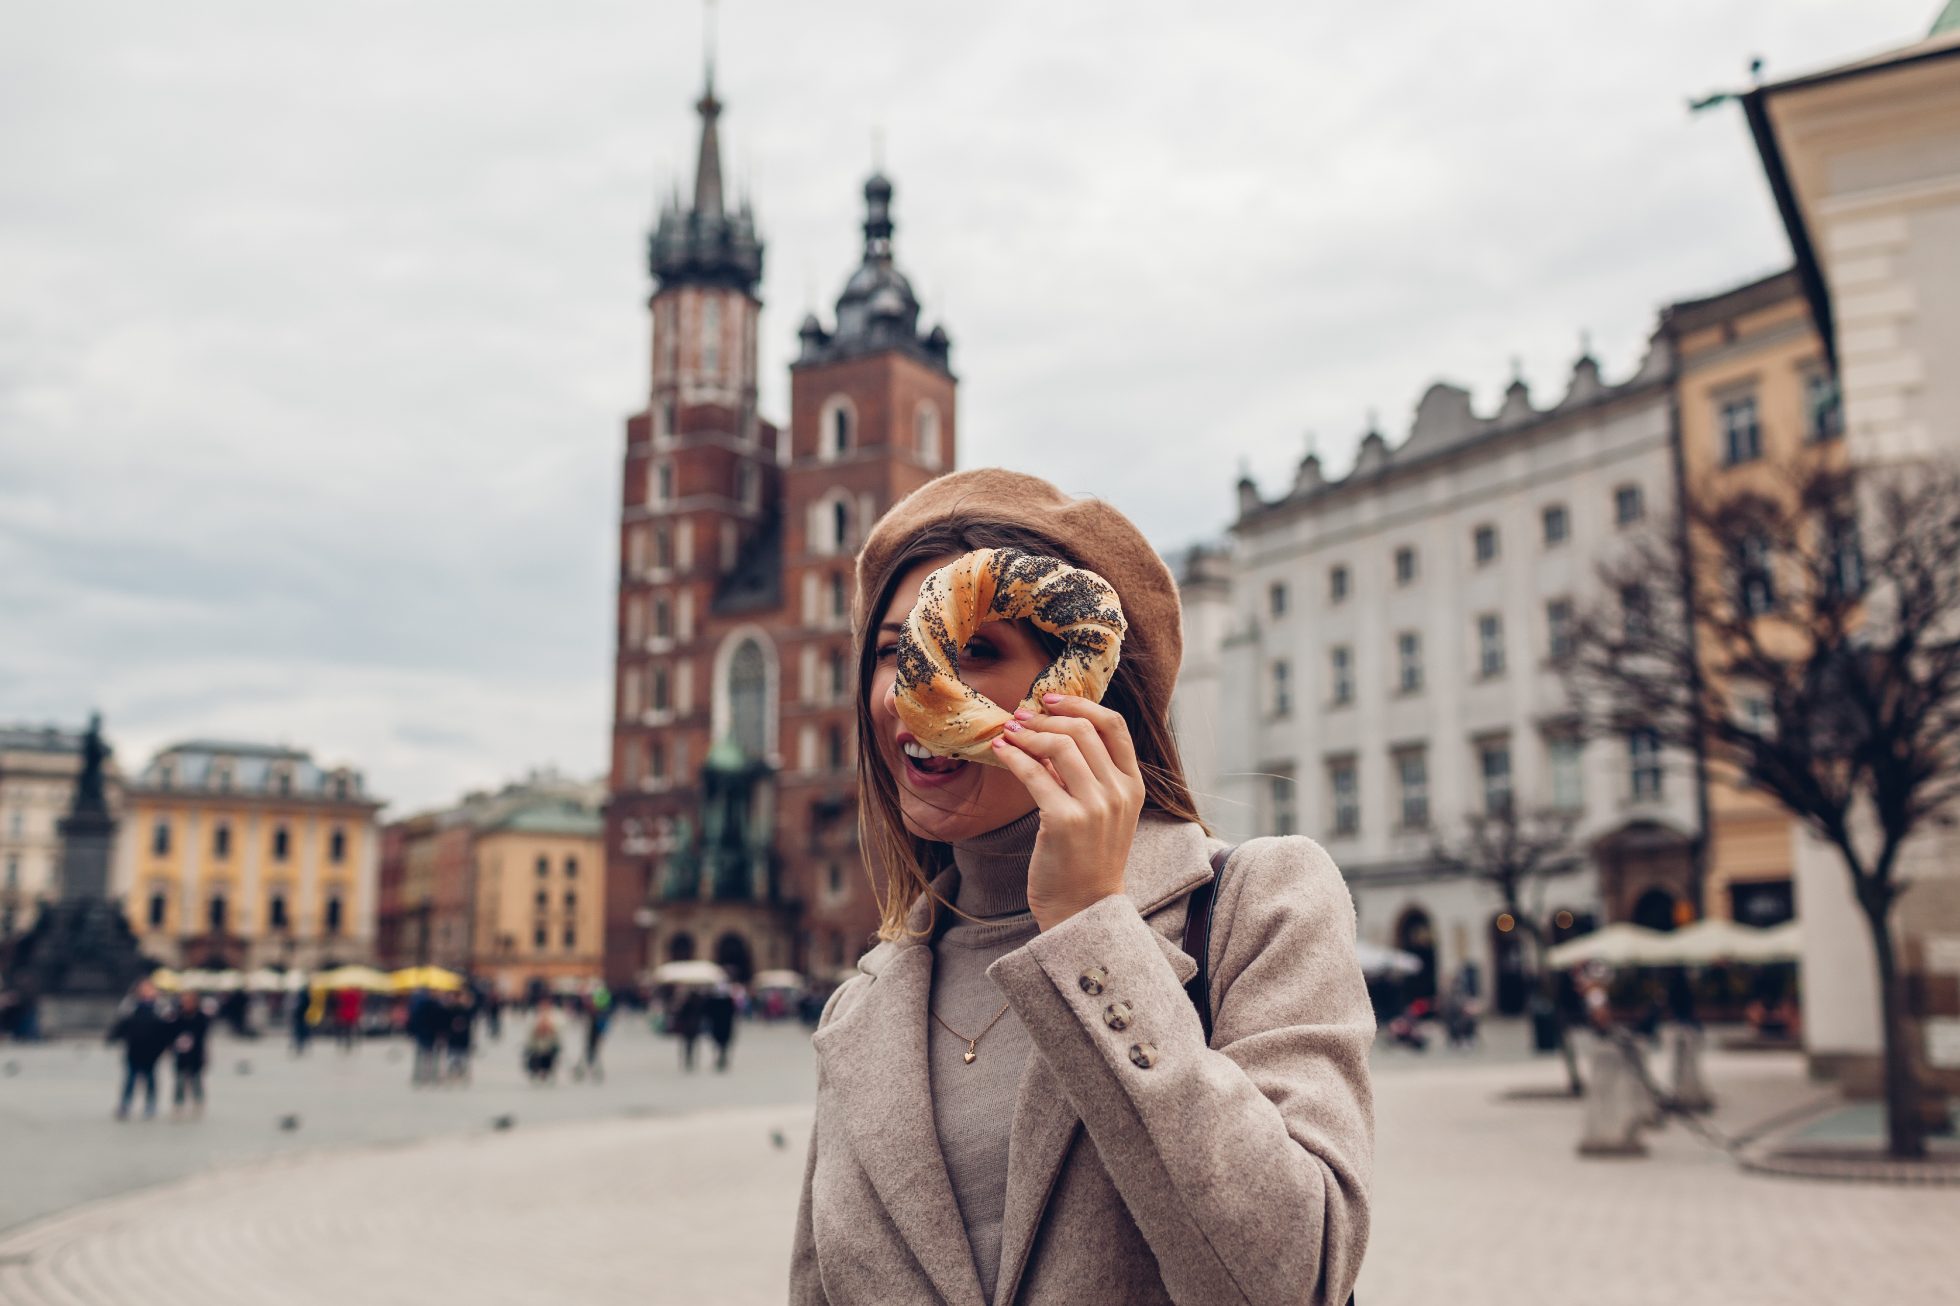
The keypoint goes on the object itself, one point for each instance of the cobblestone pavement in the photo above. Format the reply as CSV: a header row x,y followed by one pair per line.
x,y
1478,1200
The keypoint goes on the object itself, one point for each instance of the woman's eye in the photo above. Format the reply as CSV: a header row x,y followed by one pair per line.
x,y
886,651
979,648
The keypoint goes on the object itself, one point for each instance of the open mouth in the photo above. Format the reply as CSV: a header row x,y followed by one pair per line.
x,y
924,768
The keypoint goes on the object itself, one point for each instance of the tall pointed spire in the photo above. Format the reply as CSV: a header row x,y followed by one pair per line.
x,y
707,169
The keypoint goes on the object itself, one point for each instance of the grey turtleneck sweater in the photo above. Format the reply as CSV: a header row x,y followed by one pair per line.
x,y
973,1105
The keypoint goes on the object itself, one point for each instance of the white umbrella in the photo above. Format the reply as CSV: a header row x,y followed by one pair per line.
x,y
1777,943
206,981
777,979
1709,941
1377,960
1619,944
689,972
266,980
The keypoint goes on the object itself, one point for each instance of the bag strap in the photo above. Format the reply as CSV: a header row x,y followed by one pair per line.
x,y
1197,936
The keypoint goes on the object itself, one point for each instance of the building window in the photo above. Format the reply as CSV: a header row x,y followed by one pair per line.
x,y
1341,660
276,912
1276,599
1845,563
1568,785
538,938
571,900
1346,786
1282,687
1408,654
220,911
1405,566
1490,645
663,618
1558,526
160,839
221,841
1283,790
1644,764
711,337
541,899
159,908
282,844
926,434
657,759
1629,505
834,876
840,597
834,745
1412,778
1494,767
663,483
839,675
840,527
1337,584
748,690
282,783
834,433
571,938
335,914
663,547
662,696
1823,411
748,485
1558,625
1636,613
544,866
1742,436
1483,542
1754,586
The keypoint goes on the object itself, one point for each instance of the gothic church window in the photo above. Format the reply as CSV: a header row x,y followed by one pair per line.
x,y
711,338
836,428
747,691
926,434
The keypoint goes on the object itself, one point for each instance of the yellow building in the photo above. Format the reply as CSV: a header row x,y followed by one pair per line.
x,y
1755,396
246,855
539,910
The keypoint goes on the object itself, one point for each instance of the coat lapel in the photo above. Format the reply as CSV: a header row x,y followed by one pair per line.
x,y
1166,862
875,1054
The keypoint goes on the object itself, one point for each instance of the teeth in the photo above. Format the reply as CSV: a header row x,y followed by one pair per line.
x,y
913,748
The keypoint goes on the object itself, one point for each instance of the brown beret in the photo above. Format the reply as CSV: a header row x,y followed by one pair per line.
x,y
1096,536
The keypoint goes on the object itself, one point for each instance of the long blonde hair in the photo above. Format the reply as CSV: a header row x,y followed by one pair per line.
x,y
905,863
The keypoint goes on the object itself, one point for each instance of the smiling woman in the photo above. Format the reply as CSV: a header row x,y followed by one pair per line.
x,y
1018,1099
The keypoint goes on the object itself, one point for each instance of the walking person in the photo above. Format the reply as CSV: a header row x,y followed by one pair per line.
x,y
598,1014
718,1013
146,1034
1042,918
459,1031
427,1029
302,1026
686,1024
541,1047
192,1030
347,1005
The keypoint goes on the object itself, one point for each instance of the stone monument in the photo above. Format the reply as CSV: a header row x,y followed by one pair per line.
x,y
80,959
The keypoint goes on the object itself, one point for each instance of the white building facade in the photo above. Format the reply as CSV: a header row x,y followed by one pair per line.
x,y
1380,666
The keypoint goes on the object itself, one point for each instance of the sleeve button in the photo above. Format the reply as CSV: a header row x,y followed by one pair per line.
x,y
1143,1055
1093,979
1117,1016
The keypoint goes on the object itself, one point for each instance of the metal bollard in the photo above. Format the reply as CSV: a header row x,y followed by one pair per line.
x,y
1690,1087
1617,1105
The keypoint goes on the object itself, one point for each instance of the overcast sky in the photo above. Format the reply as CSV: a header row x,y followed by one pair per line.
x,y
320,322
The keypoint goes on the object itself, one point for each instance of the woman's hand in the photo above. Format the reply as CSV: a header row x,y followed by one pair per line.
x,y
1081,767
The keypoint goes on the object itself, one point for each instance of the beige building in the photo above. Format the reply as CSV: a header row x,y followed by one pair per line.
x,y
1864,163
539,894
38,766
1755,396
244,855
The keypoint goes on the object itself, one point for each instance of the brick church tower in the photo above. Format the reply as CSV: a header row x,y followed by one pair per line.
x,y
731,822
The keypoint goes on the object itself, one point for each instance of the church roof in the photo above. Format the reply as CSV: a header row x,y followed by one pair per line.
x,y
878,309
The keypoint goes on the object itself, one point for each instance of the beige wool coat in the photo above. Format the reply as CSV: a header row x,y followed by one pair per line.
x,y
1143,1165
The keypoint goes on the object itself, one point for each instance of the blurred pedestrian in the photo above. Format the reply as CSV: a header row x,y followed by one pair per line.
x,y
192,1029
302,1023
145,1033
541,1047
688,1013
427,1028
347,1004
719,1013
598,1014
459,1012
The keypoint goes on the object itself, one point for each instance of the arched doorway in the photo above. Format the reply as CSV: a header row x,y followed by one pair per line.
x,y
1655,909
1415,934
681,947
732,955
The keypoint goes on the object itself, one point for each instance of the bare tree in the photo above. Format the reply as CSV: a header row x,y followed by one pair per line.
x,y
1517,853
1805,633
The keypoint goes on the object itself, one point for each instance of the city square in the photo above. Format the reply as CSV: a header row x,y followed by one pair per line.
x,y
1009,655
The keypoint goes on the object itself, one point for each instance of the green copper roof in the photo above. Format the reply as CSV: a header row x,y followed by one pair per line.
x,y
1948,21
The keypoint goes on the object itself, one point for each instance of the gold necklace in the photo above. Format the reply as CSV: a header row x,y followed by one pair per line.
x,y
972,1044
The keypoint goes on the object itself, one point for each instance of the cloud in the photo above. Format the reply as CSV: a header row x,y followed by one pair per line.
x,y
322,321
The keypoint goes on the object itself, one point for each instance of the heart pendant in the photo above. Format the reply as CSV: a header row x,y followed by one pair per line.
x,y
968,1056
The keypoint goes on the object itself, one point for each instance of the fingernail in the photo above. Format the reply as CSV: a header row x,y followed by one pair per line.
x,y
1000,741
1051,698
1023,714
1013,725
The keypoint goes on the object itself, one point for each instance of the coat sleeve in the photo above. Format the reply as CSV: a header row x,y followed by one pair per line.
x,y
805,1281
1246,1163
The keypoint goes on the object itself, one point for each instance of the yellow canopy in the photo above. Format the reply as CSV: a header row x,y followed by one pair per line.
x,y
353,977
425,977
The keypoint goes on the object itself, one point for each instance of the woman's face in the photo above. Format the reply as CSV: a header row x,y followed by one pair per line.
x,y
943,799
